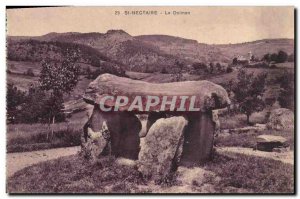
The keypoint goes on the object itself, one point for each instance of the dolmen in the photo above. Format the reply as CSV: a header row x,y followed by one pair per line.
x,y
179,128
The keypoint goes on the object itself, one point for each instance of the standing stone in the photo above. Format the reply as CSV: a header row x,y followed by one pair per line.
x,y
161,148
198,139
111,133
281,119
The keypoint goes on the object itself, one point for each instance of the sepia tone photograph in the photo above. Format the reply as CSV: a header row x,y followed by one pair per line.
x,y
150,100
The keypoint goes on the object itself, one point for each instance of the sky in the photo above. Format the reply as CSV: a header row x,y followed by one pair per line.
x,y
212,25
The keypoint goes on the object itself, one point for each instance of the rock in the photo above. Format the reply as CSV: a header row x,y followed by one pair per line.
x,y
126,162
269,142
111,133
225,131
281,149
193,176
198,139
246,129
208,95
161,149
281,119
260,126
224,135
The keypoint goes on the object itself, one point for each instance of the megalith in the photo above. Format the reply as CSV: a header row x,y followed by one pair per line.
x,y
193,100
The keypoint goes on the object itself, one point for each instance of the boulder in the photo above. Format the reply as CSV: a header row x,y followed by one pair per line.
x,y
208,95
161,149
281,119
269,142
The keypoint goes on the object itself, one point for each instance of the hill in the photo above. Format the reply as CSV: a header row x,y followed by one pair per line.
x,y
118,46
152,53
30,50
200,52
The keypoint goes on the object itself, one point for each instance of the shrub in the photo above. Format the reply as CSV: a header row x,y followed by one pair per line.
x,y
29,72
229,69
282,57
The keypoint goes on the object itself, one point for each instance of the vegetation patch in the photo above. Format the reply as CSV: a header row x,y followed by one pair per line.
x,y
249,139
75,175
254,174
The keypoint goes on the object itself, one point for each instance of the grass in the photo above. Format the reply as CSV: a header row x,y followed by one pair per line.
x,y
75,175
249,139
231,121
26,137
251,174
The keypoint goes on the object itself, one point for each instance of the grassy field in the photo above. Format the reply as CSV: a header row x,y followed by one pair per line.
x,y
74,175
26,137
249,139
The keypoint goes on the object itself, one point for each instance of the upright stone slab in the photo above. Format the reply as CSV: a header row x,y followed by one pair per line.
x,y
119,130
161,148
198,139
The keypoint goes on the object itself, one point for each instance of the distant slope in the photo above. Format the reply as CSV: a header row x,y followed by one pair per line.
x,y
152,53
194,51
186,49
36,50
258,48
119,47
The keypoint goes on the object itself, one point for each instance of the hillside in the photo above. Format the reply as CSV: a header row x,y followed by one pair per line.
x,y
30,50
200,52
149,53
258,48
118,46
186,49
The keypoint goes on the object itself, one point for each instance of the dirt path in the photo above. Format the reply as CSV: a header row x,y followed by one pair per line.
x,y
285,157
18,161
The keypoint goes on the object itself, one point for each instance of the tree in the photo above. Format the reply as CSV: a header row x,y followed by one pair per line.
x,y
218,66
248,92
274,57
200,67
286,94
59,78
235,61
33,109
14,99
282,56
211,67
267,57
177,74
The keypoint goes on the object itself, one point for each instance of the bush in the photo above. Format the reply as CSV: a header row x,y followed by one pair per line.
x,y
164,71
29,72
229,69
282,57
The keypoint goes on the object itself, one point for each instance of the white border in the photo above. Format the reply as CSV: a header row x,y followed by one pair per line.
x,y
3,3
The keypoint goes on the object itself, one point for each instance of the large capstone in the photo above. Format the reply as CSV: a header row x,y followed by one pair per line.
x,y
162,147
281,119
269,142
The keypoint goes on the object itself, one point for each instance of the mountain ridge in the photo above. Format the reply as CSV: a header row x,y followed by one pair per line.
x,y
152,53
